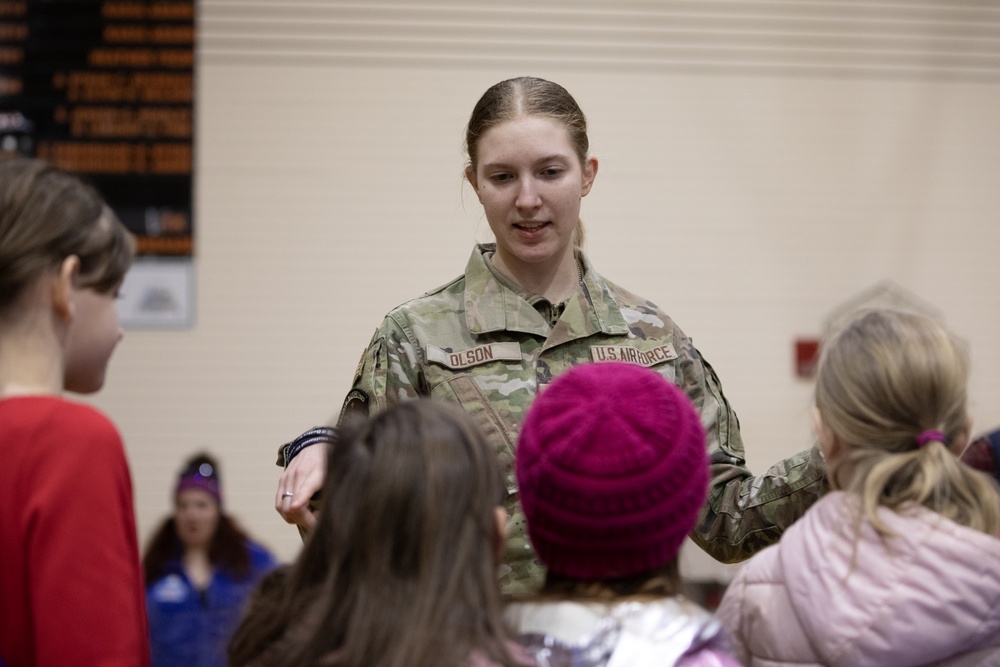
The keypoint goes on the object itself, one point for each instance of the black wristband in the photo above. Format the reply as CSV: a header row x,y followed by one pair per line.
x,y
324,434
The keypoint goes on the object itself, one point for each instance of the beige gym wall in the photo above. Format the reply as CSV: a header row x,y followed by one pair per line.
x,y
761,164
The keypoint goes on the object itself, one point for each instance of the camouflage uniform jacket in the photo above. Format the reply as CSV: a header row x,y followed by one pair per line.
x,y
483,343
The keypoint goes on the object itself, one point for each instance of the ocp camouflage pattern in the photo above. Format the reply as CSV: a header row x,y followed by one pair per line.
x,y
481,342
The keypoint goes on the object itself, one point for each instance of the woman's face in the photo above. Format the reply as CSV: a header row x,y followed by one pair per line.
x,y
196,516
530,183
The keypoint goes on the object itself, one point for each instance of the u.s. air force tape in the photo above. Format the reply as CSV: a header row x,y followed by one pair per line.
x,y
632,355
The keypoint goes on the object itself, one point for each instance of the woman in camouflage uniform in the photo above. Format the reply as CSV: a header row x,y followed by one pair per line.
x,y
528,308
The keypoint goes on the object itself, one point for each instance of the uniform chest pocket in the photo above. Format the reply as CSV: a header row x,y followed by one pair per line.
x,y
499,404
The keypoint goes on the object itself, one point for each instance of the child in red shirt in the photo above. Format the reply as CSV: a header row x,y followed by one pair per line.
x,y
71,589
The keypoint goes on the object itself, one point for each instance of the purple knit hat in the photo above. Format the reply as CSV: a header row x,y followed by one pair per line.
x,y
200,472
612,471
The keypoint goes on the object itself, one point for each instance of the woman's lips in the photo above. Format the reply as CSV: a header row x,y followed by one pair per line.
x,y
531,228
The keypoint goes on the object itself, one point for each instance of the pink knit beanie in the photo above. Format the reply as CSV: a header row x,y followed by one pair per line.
x,y
612,471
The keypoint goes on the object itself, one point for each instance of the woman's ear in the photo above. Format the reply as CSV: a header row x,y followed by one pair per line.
x,y
470,176
589,174
500,532
63,286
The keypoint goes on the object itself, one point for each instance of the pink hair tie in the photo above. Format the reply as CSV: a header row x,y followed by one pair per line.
x,y
929,436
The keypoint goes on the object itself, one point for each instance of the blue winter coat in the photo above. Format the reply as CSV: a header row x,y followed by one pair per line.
x,y
189,628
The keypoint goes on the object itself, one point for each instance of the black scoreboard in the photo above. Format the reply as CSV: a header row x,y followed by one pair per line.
x,y
106,89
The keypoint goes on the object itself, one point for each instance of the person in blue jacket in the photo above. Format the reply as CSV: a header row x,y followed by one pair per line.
x,y
200,569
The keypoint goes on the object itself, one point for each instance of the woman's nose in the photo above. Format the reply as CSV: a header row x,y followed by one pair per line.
x,y
527,194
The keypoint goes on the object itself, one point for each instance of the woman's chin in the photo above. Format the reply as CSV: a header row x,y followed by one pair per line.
x,y
535,254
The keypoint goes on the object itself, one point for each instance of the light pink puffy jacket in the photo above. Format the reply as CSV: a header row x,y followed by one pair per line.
x,y
931,598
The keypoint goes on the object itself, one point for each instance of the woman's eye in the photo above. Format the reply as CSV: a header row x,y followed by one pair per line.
x,y
552,171
500,178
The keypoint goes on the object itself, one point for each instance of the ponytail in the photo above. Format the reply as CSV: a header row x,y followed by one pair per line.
x,y
930,476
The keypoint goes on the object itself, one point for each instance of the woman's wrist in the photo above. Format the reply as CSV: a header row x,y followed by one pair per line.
x,y
319,434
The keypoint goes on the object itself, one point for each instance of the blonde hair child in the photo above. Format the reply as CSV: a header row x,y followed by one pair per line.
x,y
900,563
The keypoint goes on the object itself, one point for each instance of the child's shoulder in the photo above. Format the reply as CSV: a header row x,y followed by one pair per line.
x,y
43,423
30,409
82,418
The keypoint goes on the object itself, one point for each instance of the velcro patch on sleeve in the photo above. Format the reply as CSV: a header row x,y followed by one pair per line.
x,y
474,356
633,355
356,403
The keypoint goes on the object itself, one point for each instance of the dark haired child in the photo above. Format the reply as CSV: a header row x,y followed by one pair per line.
x,y
400,570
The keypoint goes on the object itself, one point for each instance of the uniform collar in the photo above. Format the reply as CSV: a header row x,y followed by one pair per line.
x,y
494,303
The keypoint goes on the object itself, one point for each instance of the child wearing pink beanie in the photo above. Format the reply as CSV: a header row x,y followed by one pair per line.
x,y
612,474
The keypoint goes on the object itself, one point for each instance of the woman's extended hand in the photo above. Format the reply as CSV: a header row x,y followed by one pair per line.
x,y
301,480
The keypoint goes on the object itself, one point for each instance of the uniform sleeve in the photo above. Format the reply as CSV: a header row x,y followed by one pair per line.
x,y
87,594
389,370
744,512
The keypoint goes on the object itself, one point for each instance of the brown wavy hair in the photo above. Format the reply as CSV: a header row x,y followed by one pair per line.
x,y
401,569
661,582
228,551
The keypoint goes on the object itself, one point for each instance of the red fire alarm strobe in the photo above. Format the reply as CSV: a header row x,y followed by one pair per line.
x,y
806,357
